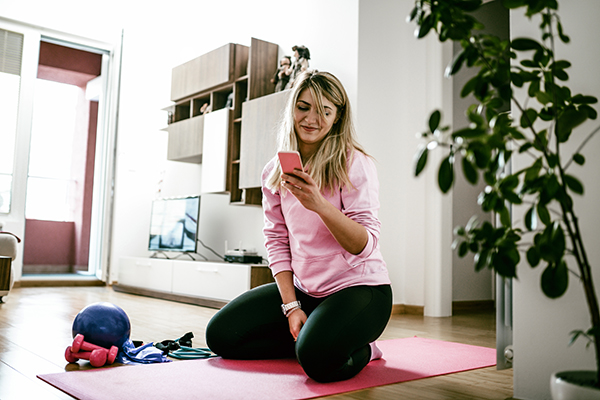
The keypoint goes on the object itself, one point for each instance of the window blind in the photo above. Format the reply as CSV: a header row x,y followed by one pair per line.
x,y
11,52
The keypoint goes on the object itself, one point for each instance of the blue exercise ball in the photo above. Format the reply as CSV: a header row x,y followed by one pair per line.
x,y
103,324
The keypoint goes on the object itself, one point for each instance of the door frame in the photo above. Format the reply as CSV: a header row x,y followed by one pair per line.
x,y
104,169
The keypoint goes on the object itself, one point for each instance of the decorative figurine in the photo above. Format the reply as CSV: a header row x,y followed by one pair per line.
x,y
282,76
301,57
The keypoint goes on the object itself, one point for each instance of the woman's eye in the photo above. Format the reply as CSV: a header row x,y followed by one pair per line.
x,y
302,108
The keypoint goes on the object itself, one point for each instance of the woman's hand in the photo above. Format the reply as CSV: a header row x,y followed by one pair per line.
x,y
351,235
296,320
304,188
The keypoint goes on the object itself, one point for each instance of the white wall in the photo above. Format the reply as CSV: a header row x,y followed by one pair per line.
x,y
399,83
542,326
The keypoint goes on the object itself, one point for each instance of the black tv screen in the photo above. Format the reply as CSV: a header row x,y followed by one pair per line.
x,y
174,223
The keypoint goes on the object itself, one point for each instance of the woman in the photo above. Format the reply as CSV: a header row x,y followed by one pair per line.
x,y
322,232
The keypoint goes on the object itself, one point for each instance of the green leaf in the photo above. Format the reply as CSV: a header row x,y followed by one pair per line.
x,y
557,241
574,184
560,64
581,99
568,120
469,171
555,280
533,256
591,113
456,64
434,120
412,14
524,44
579,159
463,248
446,175
531,219
561,33
469,86
425,27
533,171
561,75
505,262
528,118
543,213
482,259
421,160
543,97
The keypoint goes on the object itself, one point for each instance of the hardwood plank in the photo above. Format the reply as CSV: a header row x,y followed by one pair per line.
x,y
35,329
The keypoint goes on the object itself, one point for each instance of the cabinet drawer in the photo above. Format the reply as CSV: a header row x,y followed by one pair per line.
x,y
212,280
146,273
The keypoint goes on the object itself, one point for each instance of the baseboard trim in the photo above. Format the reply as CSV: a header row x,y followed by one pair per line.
x,y
458,307
58,280
198,301
398,309
461,307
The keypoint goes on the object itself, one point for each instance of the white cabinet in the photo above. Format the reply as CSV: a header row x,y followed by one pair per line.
x,y
221,281
260,120
149,273
214,151
205,283
185,140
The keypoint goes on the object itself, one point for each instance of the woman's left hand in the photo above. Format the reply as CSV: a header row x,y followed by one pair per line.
x,y
304,188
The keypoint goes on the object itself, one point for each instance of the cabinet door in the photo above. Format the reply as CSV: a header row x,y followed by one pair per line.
x,y
214,151
258,142
147,273
202,73
185,140
220,281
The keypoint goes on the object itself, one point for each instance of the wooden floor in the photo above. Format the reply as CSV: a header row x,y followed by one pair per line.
x,y
35,329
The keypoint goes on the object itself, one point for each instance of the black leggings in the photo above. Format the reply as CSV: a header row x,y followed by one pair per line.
x,y
333,344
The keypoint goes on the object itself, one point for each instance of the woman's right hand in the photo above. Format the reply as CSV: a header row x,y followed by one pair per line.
x,y
296,320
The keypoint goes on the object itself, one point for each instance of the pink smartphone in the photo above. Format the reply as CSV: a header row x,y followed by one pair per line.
x,y
289,161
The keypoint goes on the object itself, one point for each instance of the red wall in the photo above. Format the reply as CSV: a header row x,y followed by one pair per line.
x,y
49,243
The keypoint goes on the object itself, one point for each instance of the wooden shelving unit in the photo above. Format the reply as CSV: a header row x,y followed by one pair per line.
x,y
226,77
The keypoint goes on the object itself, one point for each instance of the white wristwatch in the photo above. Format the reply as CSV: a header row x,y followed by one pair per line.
x,y
287,308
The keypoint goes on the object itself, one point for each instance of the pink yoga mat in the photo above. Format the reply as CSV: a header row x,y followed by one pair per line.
x,y
403,360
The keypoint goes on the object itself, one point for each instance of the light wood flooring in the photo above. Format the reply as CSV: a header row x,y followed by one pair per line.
x,y
35,329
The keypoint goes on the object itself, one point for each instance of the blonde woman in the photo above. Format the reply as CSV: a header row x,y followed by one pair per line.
x,y
332,297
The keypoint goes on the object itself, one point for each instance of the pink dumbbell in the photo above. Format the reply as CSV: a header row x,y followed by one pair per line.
x,y
79,344
97,357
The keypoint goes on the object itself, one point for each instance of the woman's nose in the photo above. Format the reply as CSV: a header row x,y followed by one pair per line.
x,y
312,116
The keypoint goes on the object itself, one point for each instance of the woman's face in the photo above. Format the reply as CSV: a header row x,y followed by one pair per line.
x,y
310,127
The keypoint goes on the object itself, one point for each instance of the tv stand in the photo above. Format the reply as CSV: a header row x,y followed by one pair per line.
x,y
205,283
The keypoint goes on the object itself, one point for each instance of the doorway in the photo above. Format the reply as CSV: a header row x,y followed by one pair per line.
x,y
57,190
61,168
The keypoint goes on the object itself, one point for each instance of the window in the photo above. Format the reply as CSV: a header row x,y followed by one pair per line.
x,y
51,184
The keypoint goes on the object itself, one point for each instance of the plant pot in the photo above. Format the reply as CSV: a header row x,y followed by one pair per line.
x,y
574,385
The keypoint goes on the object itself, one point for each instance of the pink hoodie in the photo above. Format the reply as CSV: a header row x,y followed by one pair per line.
x,y
297,240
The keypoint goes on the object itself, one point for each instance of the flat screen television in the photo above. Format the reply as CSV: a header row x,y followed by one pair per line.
x,y
174,224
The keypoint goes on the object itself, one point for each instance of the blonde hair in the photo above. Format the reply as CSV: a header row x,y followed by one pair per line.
x,y
328,166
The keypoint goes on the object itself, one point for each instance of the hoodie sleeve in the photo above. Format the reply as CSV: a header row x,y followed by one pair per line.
x,y
275,230
361,202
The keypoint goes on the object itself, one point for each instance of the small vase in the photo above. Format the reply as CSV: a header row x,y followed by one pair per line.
x,y
574,385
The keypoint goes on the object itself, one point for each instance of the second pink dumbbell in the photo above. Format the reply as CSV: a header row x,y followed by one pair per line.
x,y
79,344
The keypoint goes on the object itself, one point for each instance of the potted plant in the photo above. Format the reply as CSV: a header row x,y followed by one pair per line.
x,y
526,75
